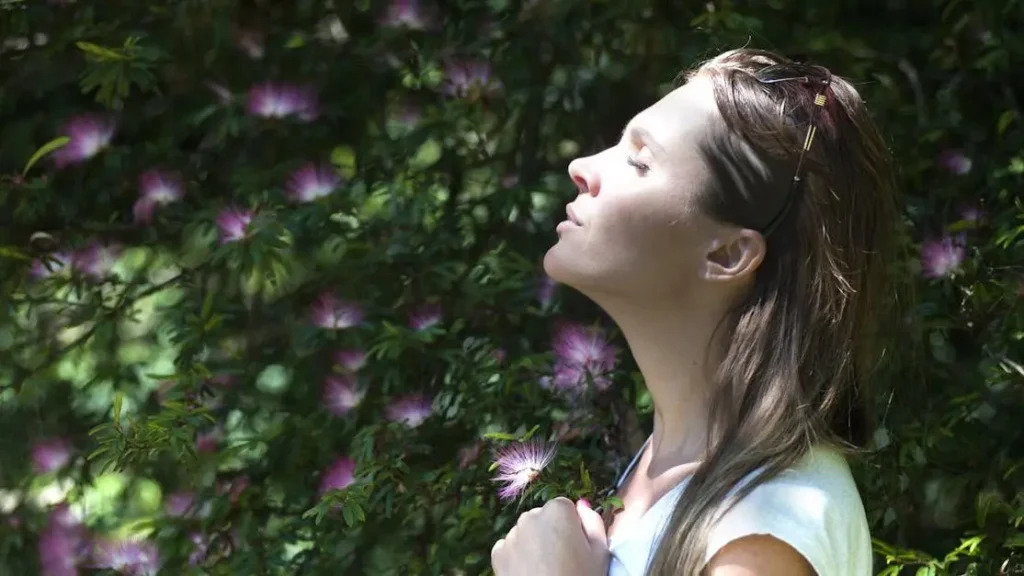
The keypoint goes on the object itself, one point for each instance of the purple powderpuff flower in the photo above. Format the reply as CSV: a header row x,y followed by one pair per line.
x,y
426,316
156,188
972,213
955,162
341,394
50,455
520,463
546,290
133,556
63,544
581,352
943,257
311,182
233,223
270,100
89,134
338,476
411,410
463,78
200,548
97,260
406,14
208,442
333,314
351,360
180,504
54,264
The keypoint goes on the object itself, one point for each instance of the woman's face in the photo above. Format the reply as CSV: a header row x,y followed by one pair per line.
x,y
635,227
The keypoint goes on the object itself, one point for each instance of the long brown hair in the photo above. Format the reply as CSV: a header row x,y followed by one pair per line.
x,y
803,342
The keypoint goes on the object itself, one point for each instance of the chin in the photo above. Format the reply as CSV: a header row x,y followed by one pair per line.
x,y
567,269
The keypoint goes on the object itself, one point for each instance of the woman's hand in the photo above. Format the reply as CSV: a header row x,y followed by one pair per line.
x,y
558,539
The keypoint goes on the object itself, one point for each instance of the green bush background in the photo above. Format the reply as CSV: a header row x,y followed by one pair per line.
x,y
448,200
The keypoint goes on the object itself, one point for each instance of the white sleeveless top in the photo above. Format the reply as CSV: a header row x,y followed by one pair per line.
x,y
814,507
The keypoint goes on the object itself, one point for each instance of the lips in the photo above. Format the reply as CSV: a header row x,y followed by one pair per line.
x,y
572,215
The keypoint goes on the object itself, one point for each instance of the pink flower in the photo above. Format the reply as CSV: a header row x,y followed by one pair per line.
x,y
50,455
89,134
581,352
426,316
341,394
955,162
941,258
338,476
180,504
499,355
972,213
156,188
311,182
233,488
55,264
411,410
270,100
352,360
406,14
134,556
98,260
519,464
546,290
466,77
207,442
63,544
333,314
234,224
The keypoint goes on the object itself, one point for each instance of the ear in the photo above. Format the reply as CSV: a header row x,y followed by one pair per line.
x,y
734,256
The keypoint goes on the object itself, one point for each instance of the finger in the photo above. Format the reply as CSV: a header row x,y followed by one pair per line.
x,y
496,556
560,503
593,526
528,516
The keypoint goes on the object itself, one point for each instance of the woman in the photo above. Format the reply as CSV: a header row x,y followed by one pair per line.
x,y
737,235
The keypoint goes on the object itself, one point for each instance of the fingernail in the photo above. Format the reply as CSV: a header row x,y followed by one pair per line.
x,y
584,502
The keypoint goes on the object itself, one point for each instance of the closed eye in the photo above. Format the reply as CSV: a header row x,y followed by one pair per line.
x,y
641,167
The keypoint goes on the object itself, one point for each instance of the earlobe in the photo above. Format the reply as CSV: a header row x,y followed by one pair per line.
x,y
735,258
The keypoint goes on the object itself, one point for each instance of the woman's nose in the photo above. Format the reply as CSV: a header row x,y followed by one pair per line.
x,y
584,177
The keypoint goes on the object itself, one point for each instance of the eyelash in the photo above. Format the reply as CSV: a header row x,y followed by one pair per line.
x,y
640,166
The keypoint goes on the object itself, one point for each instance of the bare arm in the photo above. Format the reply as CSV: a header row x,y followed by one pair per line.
x,y
758,555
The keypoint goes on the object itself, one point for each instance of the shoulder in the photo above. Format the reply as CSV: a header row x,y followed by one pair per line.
x,y
758,555
811,512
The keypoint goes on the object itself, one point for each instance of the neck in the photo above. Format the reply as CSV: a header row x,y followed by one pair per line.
x,y
670,342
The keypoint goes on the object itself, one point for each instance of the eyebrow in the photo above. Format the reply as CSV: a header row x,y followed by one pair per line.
x,y
642,134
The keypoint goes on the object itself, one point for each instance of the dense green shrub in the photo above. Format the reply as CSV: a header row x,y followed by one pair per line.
x,y
255,251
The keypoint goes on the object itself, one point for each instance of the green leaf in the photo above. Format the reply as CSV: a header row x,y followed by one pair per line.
x,y
43,150
118,400
99,51
1004,121
500,436
427,155
13,253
